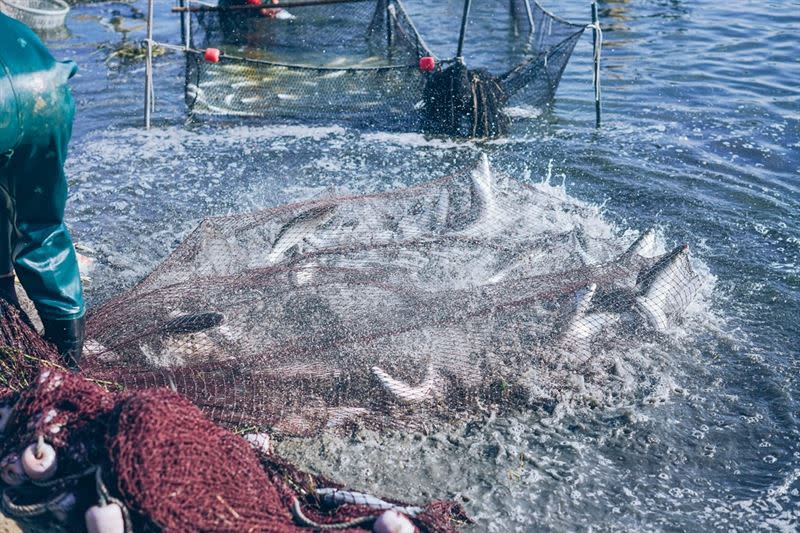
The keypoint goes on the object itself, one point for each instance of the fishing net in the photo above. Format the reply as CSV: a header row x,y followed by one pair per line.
x,y
357,61
74,455
22,351
362,62
413,309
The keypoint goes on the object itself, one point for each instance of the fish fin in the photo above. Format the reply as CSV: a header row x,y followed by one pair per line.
x,y
583,298
643,246
483,187
580,248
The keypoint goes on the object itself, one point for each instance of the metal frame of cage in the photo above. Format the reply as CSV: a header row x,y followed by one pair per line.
x,y
185,9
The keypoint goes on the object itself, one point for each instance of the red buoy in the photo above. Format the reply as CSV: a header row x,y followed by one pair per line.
x,y
212,55
254,2
427,64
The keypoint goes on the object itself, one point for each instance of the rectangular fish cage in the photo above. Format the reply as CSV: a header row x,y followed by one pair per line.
x,y
356,60
364,63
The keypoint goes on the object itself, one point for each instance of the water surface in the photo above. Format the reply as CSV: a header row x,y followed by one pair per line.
x,y
701,139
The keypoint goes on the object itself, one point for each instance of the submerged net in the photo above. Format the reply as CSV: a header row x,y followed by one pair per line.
x,y
411,308
360,62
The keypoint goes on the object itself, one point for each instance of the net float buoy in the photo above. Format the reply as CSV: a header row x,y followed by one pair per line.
x,y
105,519
260,441
11,471
5,415
212,55
427,64
39,461
393,522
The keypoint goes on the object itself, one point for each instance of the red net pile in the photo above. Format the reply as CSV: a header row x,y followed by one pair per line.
x,y
155,454
22,350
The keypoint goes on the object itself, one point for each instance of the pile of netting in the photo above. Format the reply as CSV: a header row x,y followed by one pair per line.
x,y
75,456
412,309
365,62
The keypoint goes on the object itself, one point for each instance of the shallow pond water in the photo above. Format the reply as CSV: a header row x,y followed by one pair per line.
x,y
701,140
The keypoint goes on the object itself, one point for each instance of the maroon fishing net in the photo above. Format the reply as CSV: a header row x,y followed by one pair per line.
x,y
165,466
22,351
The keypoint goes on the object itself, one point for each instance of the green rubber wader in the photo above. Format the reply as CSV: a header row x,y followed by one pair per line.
x,y
36,111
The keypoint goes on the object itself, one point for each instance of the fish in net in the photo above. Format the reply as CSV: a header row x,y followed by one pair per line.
x,y
367,62
413,308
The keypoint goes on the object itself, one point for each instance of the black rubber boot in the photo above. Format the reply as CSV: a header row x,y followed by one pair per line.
x,y
7,290
68,337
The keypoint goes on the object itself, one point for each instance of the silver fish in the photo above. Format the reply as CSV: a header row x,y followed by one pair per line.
x,y
297,229
340,497
404,392
667,289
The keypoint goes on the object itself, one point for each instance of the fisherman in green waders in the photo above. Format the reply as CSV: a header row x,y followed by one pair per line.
x,y
36,111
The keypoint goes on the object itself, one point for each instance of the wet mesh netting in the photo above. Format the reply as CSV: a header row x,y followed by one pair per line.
x,y
349,60
77,457
411,308
360,61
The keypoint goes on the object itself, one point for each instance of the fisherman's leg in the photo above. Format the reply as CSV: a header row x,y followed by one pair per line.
x,y
43,254
7,291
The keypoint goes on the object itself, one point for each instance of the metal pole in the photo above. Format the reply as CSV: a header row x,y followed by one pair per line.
x,y
459,53
186,26
148,67
186,23
390,15
596,65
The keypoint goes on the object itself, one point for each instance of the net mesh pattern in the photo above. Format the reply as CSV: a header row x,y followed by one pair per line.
x,y
165,466
408,308
358,61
